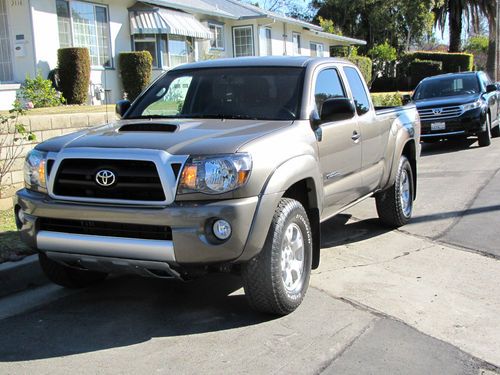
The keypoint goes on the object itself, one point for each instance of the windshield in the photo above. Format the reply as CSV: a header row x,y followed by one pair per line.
x,y
261,93
447,86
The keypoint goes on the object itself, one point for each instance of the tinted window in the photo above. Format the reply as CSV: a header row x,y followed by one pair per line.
x,y
242,93
328,86
358,91
447,86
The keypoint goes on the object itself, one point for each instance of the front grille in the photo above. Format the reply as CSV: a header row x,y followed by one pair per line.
x,y
440,113
136,180
101,228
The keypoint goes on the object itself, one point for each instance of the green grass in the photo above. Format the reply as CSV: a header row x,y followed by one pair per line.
x,y
67,109
11,247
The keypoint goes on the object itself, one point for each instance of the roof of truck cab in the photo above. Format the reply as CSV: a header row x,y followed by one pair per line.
x,y
266,61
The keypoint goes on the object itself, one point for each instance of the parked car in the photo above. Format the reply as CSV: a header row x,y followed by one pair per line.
x,y
220,165
458,105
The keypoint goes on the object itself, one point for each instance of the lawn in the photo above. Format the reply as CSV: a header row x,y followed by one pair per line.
x,y
67,109
11,247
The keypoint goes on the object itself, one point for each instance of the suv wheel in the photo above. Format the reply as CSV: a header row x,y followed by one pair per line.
x,y
276,280
395,205
484,138
495,132
66,276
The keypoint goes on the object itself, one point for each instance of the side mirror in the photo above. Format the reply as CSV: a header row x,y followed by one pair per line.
x,y
122,106
336,109
491,88
406,99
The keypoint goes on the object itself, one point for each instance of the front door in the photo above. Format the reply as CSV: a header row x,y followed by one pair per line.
x,y
340,152
5,47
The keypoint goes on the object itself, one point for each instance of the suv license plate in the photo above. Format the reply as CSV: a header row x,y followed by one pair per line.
x,y
438,126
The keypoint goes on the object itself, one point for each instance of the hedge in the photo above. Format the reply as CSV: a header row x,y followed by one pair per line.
x,y
389,99
135,70
420,69
452,62
365,66
74,74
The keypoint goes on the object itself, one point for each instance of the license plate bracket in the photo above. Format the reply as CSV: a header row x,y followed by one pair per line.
x,y
438,126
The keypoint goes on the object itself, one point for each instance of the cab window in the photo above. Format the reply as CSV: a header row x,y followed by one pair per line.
x,y
358,91
328,85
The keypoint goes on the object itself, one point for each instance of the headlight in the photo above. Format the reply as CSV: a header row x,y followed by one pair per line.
x,y
215,174
471,106
35,171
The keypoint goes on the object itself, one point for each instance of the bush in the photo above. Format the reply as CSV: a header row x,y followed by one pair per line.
x,y
420,69
40,92
135,69
390,99
365,66
74,74
452,62
384,84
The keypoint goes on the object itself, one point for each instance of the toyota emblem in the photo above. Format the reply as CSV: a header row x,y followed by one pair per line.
x,y
105,178
437,111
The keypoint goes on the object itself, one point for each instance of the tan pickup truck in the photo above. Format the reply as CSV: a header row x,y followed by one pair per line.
x,y
225,165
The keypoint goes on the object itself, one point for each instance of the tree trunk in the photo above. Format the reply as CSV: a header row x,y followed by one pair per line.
x,y
455,21
490,62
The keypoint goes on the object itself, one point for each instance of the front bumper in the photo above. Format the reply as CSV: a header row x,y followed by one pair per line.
x,y
190,242
468,124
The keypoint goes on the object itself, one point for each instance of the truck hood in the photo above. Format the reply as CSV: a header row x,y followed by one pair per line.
x,y
448,101
177,137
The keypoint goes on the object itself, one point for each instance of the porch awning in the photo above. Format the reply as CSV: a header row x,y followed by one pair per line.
x,y
166,21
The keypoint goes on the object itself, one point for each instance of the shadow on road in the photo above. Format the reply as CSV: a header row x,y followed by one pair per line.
x,y
126,311
445,147
338,231
453,214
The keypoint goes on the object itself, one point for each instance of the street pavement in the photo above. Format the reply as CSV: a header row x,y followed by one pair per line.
x,y
420,300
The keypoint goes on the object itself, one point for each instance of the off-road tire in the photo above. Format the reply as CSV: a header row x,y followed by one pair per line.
x,y
68,277
484,137
389,206
262,276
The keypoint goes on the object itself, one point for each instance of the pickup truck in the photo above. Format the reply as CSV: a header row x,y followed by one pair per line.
x,y
227,165
458,105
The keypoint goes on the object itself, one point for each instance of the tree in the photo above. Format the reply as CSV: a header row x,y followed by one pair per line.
x,y
401,22
477,9
478,46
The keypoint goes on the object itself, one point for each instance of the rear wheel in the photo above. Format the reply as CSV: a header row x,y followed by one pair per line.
x,y
68,277
395,205
495,132
277,279
484,137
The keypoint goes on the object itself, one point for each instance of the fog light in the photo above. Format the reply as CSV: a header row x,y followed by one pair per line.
x,y
222,229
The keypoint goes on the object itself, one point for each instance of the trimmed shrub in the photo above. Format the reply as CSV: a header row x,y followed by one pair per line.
x,y
390,99
452,62
74,74
135,70
384,84
40,92
365,66
420,69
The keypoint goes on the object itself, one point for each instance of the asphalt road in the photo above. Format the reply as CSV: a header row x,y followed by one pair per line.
x,y
421,300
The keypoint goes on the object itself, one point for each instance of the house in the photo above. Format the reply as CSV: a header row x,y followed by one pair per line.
x,y
174,31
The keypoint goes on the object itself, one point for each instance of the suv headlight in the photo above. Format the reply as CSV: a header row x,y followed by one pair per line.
x,y
471,106
215,174
35,171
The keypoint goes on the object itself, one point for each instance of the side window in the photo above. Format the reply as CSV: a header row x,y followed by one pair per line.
x,y
169,102
328,85
358,91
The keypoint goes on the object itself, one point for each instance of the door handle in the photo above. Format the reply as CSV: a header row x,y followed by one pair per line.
x,y
355,136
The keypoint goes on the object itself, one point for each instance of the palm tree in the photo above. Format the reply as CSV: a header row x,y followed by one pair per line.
x,y
453,11
487,8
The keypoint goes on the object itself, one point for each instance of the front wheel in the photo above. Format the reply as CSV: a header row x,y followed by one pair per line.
x,y
395,205
484,138
276,280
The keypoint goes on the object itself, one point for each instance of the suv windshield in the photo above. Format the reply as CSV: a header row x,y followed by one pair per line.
x,y
263,93
447,86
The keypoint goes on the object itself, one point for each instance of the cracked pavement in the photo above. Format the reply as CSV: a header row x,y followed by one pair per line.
x,y
420,300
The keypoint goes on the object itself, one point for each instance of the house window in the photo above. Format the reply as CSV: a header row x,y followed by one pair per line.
x,y
266,45
317,49
296,43
83,24
147,42
243,41
5,53
180,49
217,40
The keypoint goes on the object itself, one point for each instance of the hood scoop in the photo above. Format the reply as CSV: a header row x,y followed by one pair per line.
x,y
148,127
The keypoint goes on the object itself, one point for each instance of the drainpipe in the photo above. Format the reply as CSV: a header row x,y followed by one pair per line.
x,y
284,39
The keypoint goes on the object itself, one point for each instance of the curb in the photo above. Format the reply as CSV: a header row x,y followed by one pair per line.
x,y
18,276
